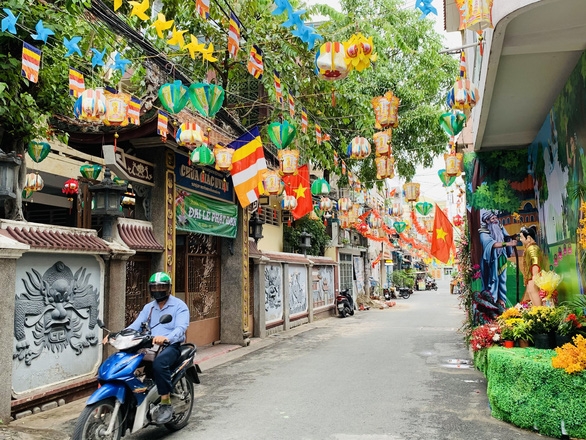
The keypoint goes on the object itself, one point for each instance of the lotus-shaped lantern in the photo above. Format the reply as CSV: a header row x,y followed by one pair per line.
x,y
174,96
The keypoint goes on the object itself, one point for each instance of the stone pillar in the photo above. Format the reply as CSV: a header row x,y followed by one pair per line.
x,y
260,325
286,311
10,252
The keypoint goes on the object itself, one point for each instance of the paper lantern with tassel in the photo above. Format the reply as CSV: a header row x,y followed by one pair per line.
x,y
289,203
386,110
453,122
400,227
411,191
38,151
326,204
359,52
320,187
174,96
206,98
273,184
223,157
90,106
288,160
446,180
190,135
385,167
457,220
330,61
202,155
382,143
453,164
475,15
282,134
344,204
359,148
34,182
70,188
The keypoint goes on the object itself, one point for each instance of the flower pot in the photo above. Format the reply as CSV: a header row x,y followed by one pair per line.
x,y
562,339
509,344
542,340
523,343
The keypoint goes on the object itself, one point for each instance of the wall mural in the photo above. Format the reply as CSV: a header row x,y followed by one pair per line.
x,y
57,305
323,286
273,293
298,294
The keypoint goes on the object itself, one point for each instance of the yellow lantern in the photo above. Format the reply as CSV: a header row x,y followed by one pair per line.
x,y
344,204
223,157
475,15
288,160
453,164
428,223
411,191
272,183
289,203
382,143
386,110
116,110
190,135
330,61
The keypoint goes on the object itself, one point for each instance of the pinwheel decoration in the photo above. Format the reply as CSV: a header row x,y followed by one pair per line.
x,y
453,122
425,7
206,98
320,187
174,96
282,133
446,180
38,151
423,208
90,171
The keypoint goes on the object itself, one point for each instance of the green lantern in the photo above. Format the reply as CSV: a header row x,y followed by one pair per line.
x,y
206,98
399,226
446,180
174,96
202,155
38,151
90,171
452,122
320,187
424,208
282,134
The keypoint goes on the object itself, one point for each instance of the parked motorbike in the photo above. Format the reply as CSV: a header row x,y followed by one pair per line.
x,y
344,303
127,395
430,285
403,292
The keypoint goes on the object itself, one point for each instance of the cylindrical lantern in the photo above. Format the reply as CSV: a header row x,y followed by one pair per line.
x,y
382,143
202,155
116,110
190,135
428,223
34,182
385,167
330,61
359,148
288,161
411,191
320,187
453,162
344,205
289,203
272,183
223,157
326,204
386,110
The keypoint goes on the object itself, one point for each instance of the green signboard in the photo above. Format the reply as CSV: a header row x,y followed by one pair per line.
x,y
206,216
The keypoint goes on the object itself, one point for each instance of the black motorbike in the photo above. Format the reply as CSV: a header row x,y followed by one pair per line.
x,y
345,303
403,292
430,285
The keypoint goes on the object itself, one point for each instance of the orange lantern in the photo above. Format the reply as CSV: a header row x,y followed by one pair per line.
x,y
223,157
386,110
288,160
453,164
190,135
344,204
116,110
385,167
359,148
382,143
411,191
289,203
272,183
475,15
330,61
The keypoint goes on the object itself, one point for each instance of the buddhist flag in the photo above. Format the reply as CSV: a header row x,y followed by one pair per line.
x,y
462,64
203,8
291,105
304,121
255,65
318,134
248,167
31,62
336,159
163,124
76,82
278,89
234,36
442,239
299,185
134,110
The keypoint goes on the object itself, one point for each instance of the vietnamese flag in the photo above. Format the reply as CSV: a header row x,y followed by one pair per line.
x,y
299,186
442,239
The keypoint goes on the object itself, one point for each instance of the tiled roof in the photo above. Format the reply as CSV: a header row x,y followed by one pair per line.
x,y
285,257
58,239
139,237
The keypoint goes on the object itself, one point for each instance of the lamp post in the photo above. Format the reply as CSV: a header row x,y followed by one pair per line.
x,y
9,163
305,241
255,227
107,196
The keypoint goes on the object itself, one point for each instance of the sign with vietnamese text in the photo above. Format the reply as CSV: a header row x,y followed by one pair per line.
x,y
206,181
201,215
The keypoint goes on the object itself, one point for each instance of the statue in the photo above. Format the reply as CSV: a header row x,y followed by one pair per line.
x,y
532,262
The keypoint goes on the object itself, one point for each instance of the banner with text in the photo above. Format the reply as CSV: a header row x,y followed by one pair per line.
x,y
201,215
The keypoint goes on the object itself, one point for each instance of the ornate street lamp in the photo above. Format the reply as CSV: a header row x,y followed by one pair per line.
x,y
9,164
305,241
255,227
107,196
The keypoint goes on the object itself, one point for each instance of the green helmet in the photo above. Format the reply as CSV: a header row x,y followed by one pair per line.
x,y
160,286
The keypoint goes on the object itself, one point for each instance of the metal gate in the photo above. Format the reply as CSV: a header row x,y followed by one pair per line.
x,y
346,272
138,271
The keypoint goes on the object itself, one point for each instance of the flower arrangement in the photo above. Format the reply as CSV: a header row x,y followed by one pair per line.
x,y
569,322
511,312
548,281
485,336
542,319
571,356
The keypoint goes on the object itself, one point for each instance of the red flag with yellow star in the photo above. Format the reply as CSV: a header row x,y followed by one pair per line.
x,y
299,186
442,239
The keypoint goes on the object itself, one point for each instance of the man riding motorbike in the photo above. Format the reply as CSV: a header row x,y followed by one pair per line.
x,y
170,336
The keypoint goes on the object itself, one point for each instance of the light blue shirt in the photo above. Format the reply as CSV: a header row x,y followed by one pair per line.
x,y
174,330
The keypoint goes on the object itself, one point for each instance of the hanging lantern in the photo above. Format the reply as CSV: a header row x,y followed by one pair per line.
x,y
453,164
320,187
463,96
397,209
116,110
90,105
344,205
475,15
27,193
424,208
446,180
453,122
386,110
282,134
223,157
34,182
458,220
428,223
385,167
288,161
38,151
326,204
359,52
202,155
128,198
173,96
206,98
382,143
273,183
90,171
190,135
289,203
359,148
330,61
411,191
70,188
400,227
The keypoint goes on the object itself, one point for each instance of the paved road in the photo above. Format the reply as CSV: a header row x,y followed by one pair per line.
x,y
395,374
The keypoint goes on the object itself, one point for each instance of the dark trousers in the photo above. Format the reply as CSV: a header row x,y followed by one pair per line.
x,y
162,368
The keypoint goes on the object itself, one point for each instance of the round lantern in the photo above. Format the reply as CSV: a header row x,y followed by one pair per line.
x,y
411,191
386,110
38,151
282,134
190,135
223,157
463,96
90,171
288,161
202,156
330,61
320,187
173,96
382,143
344,204
457,220
326,204
289,203
34,182
116,110
272,183
453,162
206,98
70,188
90,105
359,148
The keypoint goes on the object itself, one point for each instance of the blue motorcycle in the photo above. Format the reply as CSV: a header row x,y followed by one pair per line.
x,y
127,395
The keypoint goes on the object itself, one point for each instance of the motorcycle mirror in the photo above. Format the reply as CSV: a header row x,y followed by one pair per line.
x,y
165,319
100,323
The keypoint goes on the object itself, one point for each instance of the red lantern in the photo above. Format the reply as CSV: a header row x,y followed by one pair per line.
x,y
70,187
458,220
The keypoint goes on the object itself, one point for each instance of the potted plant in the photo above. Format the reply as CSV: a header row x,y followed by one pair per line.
x,y
507,335
569,323
543,321
522,332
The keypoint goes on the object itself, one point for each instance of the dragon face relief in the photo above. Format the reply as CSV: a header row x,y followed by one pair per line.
x,y
55,307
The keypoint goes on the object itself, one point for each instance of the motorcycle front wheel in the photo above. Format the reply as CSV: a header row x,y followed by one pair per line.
x,y
405,295
94,420
182,400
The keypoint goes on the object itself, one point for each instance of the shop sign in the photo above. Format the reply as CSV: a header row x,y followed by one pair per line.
x,y
205,216
206,181
128,167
